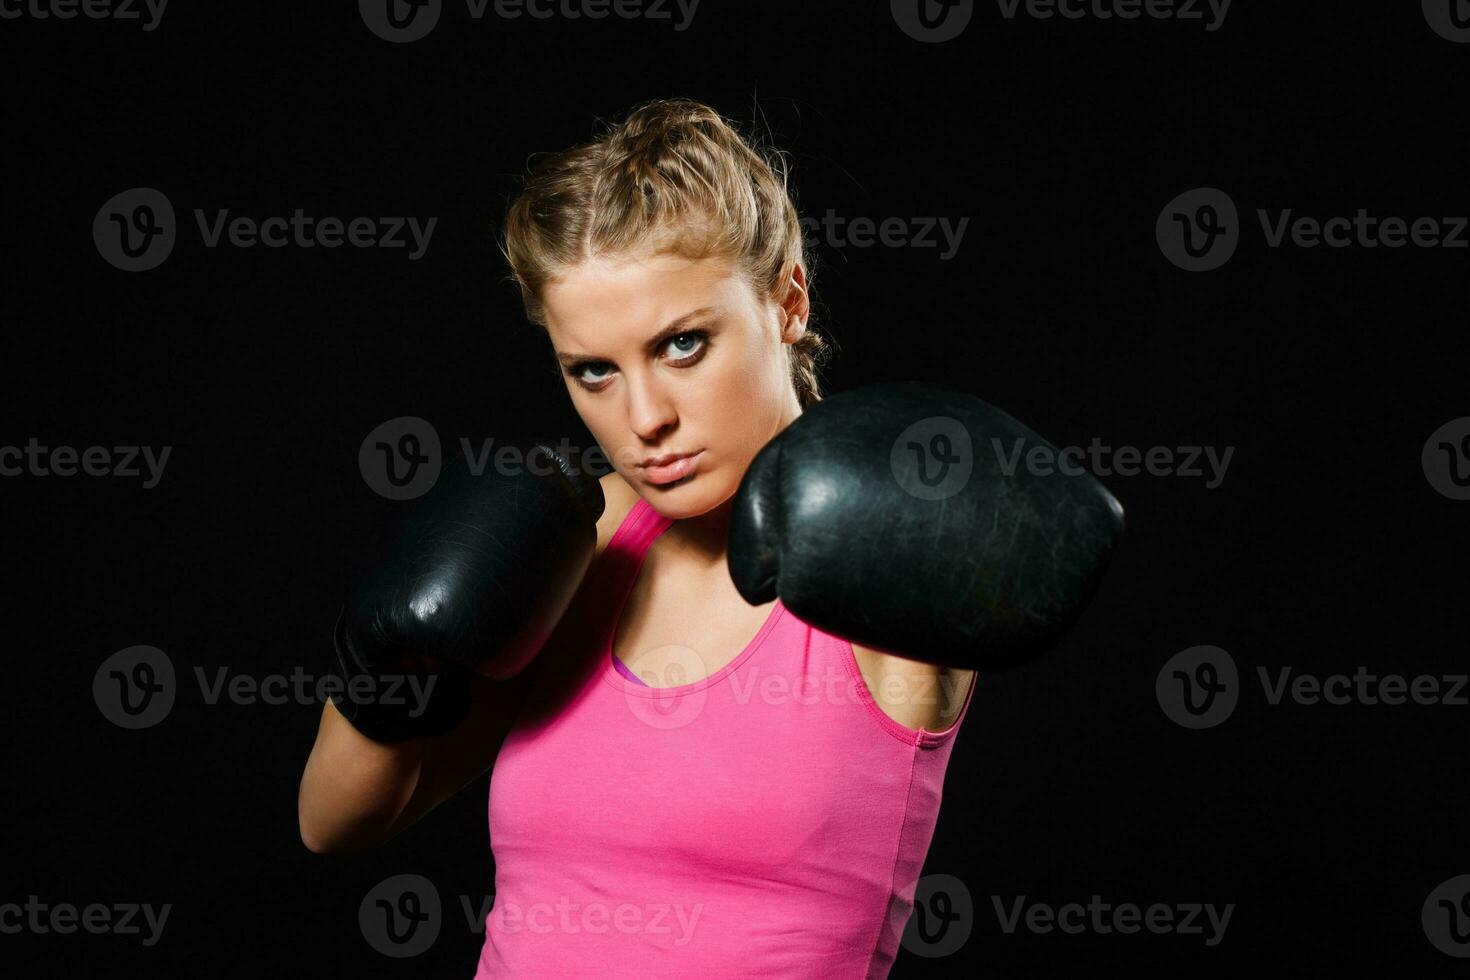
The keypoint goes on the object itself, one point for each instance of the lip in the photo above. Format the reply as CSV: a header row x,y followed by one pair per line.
x,y
675,468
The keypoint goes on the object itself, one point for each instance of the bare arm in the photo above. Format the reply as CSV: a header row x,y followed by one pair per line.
x,y
357,794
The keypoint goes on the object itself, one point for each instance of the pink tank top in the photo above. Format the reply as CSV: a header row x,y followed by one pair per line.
x,y
766,821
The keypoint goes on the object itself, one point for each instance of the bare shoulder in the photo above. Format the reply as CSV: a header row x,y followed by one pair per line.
x,y
620,498
914,693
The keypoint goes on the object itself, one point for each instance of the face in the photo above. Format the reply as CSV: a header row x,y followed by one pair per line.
x,y
667,357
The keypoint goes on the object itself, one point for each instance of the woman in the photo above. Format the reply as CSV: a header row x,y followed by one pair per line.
x,y
684,784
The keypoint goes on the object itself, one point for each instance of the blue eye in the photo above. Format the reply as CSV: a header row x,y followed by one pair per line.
x,y
694,338
689,348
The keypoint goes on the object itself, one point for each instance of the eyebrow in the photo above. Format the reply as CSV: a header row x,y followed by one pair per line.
x,y
674,328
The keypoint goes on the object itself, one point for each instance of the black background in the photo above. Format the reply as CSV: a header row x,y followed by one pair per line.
x,y
1324,549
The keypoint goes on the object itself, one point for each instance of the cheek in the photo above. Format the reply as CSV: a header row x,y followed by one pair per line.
x,y
744,405
752,374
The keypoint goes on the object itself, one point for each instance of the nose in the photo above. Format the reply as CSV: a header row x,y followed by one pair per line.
x,y
650,409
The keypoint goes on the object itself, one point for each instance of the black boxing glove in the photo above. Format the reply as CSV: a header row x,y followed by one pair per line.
x,y
908,518
475,581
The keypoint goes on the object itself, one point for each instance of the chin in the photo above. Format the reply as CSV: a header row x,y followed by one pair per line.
x,y
684,500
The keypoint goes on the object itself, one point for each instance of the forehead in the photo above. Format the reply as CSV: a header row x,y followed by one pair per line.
x,y
606,301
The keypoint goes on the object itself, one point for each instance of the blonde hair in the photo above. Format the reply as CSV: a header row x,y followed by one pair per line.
x,y
674,176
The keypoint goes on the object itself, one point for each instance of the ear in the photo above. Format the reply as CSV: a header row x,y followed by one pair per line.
x,y
795,305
